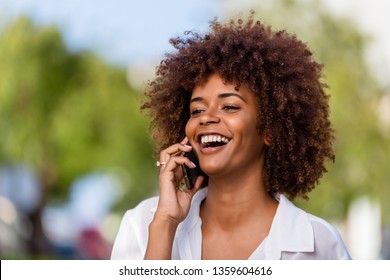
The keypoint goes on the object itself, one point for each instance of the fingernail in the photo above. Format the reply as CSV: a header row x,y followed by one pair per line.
x,y
193,164
187,146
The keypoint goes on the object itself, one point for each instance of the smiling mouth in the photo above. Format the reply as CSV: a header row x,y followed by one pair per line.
x,y
213,140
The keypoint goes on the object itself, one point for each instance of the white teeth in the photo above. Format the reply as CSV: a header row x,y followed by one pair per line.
x,y
213,138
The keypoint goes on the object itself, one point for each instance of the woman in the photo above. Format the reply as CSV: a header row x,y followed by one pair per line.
x,y
249,103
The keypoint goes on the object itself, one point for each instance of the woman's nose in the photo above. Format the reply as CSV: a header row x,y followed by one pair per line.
x,y
209,117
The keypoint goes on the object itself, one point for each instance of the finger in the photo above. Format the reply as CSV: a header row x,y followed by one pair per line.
x,y
198,183
191,192
184,141
174,150
177,161
173,166
172,175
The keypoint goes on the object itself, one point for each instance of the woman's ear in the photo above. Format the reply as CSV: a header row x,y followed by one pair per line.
x,y
267,140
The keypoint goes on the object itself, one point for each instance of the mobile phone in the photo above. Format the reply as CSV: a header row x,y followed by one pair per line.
x,y
190,174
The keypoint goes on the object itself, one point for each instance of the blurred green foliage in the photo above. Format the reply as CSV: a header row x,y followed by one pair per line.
x,y
67,114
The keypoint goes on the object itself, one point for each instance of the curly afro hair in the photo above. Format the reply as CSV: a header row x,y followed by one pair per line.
x,y
293,108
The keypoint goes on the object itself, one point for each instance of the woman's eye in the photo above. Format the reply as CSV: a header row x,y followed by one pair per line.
x,y
196,112
230,108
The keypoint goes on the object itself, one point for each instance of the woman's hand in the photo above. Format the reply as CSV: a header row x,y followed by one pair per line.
x,y
174,200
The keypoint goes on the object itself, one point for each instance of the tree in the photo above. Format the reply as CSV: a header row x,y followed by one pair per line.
x,y
67,114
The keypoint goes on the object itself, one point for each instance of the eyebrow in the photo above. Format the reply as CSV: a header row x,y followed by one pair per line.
x,y
220,96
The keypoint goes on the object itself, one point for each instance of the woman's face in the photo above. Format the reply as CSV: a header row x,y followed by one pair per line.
x,y
222,128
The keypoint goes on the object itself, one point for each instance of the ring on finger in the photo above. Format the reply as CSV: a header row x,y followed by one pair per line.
x,y
160,163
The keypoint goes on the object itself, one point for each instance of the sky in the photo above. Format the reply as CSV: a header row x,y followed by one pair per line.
x,y
122,31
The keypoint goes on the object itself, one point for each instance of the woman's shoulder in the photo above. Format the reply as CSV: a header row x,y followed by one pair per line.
x,y
328,242
148,205
321,226
131,239
325,229
143,210
310,237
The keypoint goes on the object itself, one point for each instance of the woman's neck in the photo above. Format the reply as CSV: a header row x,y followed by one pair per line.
x,y
236,217
236,200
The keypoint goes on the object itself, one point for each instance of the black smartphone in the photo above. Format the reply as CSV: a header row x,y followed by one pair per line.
x,y
190,174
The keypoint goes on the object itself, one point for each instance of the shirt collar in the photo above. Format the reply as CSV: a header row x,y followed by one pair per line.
x,y
291,231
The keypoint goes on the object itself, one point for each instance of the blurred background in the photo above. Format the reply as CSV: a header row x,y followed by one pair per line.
x,y
75,151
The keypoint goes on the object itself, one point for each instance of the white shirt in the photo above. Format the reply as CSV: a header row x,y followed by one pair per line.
x,y
294,234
